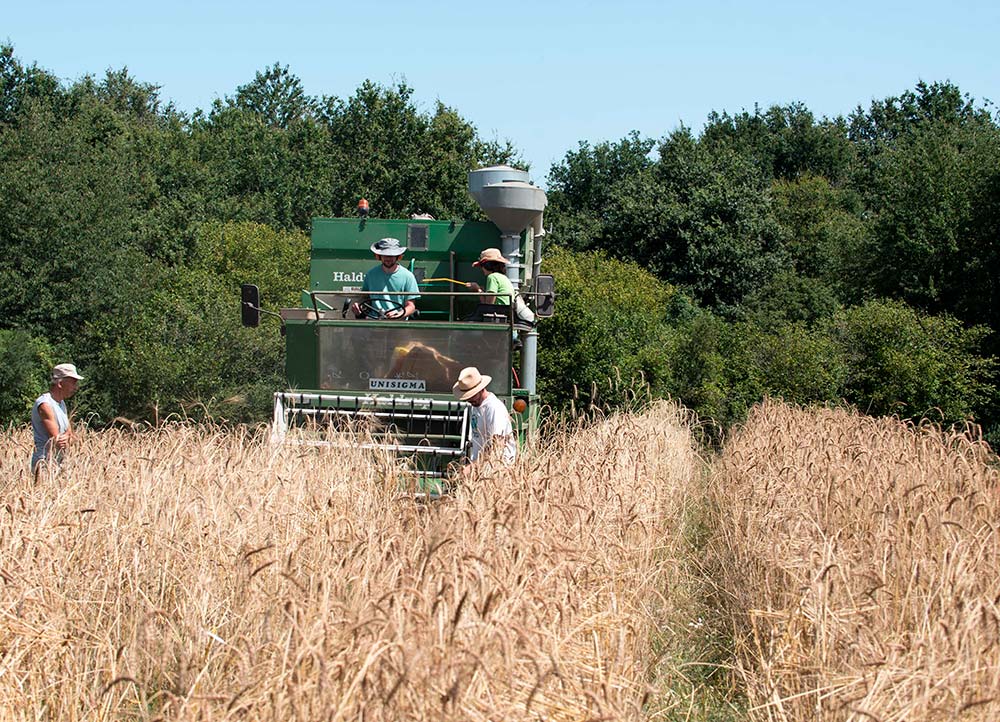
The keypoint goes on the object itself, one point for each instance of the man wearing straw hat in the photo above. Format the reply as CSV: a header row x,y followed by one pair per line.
x,y
50,424
491,426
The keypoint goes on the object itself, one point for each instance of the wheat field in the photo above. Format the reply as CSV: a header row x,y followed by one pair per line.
x,y
850,567
196,573
861,559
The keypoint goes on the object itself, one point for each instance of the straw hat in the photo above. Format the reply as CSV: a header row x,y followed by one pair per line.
x,y
470,382
491,254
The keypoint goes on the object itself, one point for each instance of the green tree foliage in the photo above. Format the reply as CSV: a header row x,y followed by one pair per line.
x,y
277,97
183,351
70,224
699,364
933,200
20,85
403,161
179,348
720,369
822,232
25,363
237,253
907,363
261,173
610,324
822,223
785,141
799,363
698,217
583,187
451,148
790,297
127,226
780,222
723,267
882,357
702,220
586,177
889,120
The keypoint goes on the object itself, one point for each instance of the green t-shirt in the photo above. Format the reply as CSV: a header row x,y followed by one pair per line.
x,y
499,284
401,282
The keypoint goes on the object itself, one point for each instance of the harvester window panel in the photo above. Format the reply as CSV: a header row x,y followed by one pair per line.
x,y
404,359
417,237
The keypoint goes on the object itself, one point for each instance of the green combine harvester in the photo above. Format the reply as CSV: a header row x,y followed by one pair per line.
x,y
388,383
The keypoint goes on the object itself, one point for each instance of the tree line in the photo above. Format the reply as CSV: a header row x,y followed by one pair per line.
x,y
851,259
772,253
127,225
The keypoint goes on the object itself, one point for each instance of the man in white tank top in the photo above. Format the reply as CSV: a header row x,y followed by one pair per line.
x,y
491,427
49,419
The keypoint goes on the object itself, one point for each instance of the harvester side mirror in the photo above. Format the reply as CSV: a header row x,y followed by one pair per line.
x,y
250,305
545,295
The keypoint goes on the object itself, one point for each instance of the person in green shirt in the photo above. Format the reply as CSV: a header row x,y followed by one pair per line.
x,y
499,289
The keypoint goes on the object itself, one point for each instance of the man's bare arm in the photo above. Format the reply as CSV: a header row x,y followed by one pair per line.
x,y
48,417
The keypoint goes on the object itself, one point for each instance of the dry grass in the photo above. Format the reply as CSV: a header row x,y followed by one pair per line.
x,y
864,557
191,573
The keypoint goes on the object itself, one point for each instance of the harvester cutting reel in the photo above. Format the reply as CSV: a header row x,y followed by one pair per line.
x,y
433,434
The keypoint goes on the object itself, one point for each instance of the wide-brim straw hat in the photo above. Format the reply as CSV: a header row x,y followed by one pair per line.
x,y
491,254
470,382
388,247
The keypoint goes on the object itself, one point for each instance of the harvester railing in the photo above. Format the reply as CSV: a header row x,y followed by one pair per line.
x,y
321,302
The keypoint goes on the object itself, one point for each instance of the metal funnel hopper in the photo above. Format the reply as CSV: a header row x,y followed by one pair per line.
x,y
512,205
507,198
494,174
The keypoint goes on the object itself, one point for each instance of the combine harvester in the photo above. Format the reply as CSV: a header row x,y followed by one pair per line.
x,y
390,381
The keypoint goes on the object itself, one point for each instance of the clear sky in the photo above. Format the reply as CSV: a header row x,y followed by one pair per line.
x,y
544,74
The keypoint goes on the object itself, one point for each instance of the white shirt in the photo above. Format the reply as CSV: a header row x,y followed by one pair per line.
x,y
490,419
44,444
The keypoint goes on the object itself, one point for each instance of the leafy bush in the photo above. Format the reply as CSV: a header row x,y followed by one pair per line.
x,y
792,361
883,358
790,297
25,363
610,324
184,351
698,364
237,253
907,363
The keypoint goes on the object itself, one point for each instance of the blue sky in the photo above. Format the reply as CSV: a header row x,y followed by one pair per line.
x,y
545,75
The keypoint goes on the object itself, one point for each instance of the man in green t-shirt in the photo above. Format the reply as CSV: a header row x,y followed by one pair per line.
x,y
389,277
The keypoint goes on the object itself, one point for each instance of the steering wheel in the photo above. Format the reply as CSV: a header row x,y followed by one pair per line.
x,y
369,309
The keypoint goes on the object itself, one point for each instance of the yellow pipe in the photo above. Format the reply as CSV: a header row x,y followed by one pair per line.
x,y
450,280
